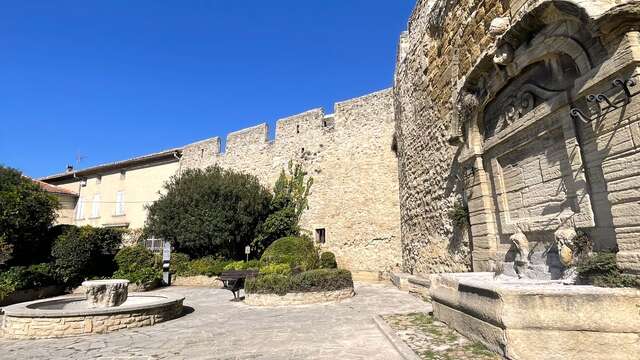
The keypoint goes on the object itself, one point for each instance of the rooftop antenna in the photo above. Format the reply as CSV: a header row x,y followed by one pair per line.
x,y
79,158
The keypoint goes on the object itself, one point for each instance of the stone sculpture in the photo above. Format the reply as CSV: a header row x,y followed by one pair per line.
x,y
106,293
521,243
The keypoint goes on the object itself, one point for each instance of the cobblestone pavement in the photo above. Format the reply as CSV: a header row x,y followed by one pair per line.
x,y
433,340
220,329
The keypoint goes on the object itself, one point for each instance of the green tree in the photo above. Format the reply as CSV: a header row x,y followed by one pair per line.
x,y
6,250
210,212
84,252
290,199
26,213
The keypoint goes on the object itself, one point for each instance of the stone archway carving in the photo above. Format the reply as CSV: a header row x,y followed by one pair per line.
x,y
520,143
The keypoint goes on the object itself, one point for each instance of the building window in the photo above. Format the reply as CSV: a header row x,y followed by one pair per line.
x,y
297,129
123,175
321,236
98,180
95,206
119,203
80,209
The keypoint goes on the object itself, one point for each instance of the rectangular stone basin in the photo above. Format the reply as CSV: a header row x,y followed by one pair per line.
x,y
522,319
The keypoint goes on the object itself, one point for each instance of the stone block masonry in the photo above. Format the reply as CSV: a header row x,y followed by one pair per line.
x,y
349,154
485,93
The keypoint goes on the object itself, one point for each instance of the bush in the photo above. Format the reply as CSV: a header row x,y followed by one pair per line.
x,y
86,252
280,269
289,201
208,266
179,263
459,214
21,278
600,269
210,212
135,257
328,260
308,281
138,265
144,276
243,265
26,213
295,251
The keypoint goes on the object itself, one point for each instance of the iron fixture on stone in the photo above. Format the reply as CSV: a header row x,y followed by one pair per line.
x,y
610,105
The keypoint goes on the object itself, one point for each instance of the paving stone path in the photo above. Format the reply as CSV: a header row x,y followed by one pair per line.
x,y
433,340
220,329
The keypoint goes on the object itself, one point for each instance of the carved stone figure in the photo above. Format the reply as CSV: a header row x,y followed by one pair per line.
x,y
498,26
521,243
503,55
565,241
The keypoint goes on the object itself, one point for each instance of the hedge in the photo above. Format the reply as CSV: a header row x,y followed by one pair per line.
x,y
328,260
296,251
308,281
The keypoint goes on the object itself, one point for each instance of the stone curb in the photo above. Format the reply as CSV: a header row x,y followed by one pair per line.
x,y
403,349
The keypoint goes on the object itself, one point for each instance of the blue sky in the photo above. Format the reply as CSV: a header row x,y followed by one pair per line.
x,y
113,79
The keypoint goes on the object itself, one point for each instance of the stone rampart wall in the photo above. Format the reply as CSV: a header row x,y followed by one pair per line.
x,y
349,154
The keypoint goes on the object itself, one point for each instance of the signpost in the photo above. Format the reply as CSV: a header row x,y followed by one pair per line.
x,y
247,251
166,259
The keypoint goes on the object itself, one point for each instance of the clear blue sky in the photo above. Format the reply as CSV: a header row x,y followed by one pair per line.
x,y
113,79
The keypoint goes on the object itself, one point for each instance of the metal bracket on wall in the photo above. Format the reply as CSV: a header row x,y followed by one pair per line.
x,y
610,105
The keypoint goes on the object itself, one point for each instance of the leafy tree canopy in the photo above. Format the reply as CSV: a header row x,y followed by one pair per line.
x,y
291,192
26,213
210,212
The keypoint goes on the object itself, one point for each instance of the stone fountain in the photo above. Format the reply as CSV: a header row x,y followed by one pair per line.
x,y
529,316
106,293
107,306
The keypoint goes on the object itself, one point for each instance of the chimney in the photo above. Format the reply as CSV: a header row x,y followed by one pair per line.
x,y
69,169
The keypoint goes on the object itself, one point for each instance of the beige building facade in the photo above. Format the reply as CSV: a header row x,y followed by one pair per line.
x,y
115,195
353,210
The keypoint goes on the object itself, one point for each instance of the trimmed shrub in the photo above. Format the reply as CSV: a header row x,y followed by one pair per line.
x,y
308,281
280,269
86,252
268,284
328,260
295,251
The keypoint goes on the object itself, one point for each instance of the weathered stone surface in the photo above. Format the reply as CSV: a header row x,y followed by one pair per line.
x,y
298,298
106,293
539,319
217,329
519,159
349,154
53,320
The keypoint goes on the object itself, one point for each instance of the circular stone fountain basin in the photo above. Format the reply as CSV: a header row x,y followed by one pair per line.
x,y
73,316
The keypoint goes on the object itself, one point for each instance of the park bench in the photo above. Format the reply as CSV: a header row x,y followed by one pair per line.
x,y
234,281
